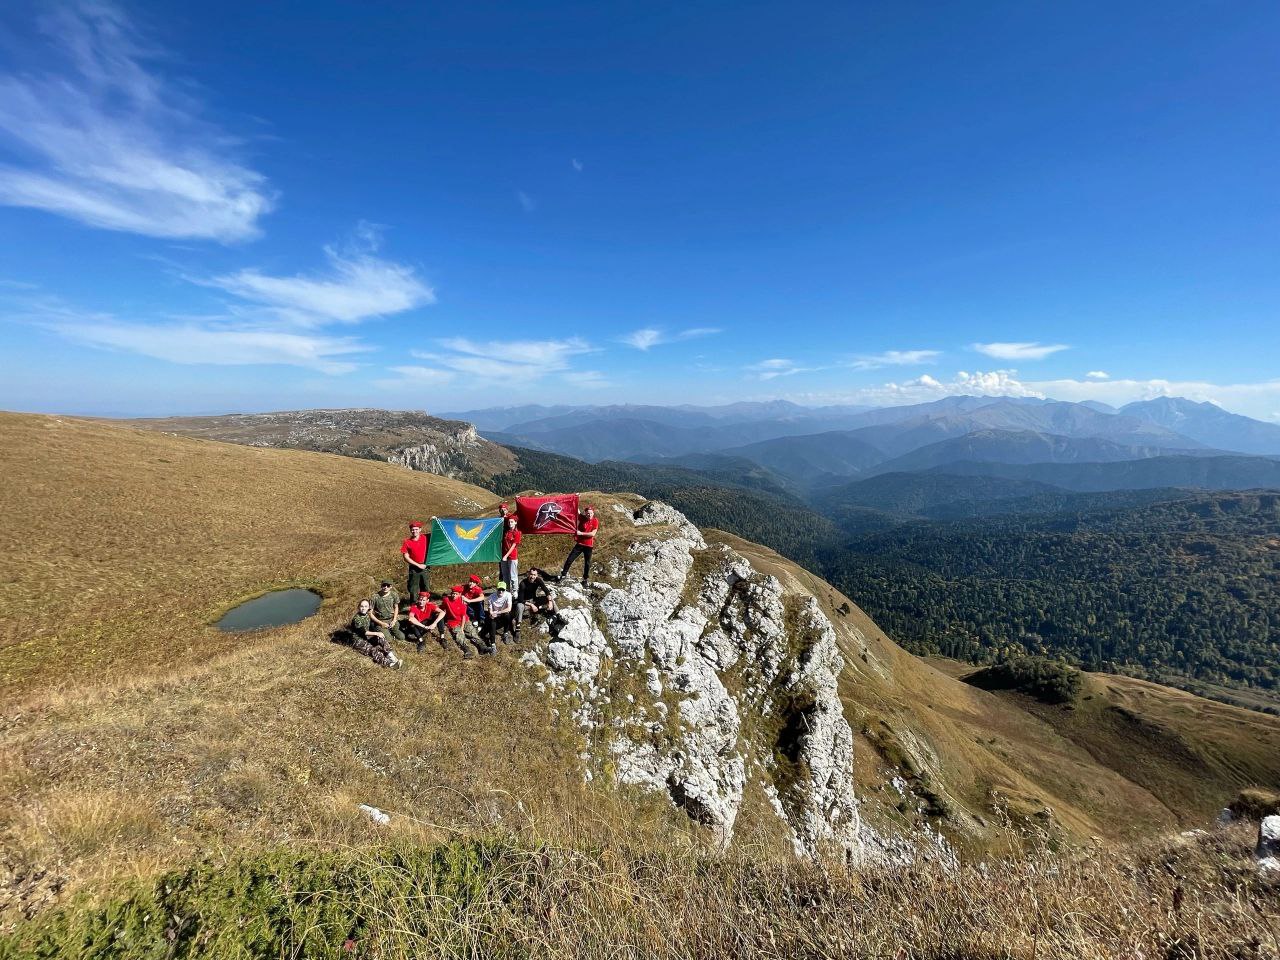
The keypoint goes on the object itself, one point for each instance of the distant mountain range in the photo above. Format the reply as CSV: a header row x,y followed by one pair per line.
x,y
811,449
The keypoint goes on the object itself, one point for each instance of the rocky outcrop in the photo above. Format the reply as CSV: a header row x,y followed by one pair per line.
x,y
411,438
694,675
450,455
1268,850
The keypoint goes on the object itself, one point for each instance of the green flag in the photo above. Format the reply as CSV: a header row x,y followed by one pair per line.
x,y
464,540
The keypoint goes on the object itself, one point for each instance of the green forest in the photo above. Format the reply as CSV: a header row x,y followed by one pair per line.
x,y
1176,586
1179,591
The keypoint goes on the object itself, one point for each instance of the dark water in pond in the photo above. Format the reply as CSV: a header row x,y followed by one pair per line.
x,y
273,609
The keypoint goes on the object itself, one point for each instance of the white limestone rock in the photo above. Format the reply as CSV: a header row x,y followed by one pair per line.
x,y
685,625
1269,837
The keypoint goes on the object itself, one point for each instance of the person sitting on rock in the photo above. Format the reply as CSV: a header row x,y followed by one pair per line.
x,y
585,540
386,611
501,614
423,619
366,638
458,626
534,599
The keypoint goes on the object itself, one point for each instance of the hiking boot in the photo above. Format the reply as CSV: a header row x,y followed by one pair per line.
x,y
489,651
419,645
507,638
468,655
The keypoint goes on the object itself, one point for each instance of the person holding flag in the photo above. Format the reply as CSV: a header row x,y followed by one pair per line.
x,y
509,563
584,541
414,552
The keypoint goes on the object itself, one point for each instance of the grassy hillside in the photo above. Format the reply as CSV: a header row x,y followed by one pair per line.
x,y
137,739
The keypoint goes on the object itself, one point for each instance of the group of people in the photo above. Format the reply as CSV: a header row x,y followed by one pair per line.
x,y
465,615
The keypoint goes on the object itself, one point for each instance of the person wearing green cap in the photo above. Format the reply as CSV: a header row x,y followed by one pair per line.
x,y
500,614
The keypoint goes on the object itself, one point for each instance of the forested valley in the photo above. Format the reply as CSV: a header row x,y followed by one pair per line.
x,y
1177,586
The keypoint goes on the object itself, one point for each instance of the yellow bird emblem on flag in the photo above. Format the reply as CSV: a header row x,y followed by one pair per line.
x,y
468,533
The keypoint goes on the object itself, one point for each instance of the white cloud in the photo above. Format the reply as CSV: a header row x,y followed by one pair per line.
x,y
1018,351
418,376
644,338
212,341
577,164
777,367
527,203
647,337
894,358
105,141
356,287
1098,375
506,361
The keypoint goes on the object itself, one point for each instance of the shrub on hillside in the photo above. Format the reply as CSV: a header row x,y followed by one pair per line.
x,y
1049,681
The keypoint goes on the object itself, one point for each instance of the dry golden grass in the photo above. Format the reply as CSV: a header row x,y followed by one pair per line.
x,y
135,737
1191,899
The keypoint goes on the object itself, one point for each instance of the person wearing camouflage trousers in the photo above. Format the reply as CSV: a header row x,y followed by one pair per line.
x,y
366,638
386,611
458,626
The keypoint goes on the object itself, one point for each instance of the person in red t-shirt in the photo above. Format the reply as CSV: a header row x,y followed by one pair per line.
x,y
414,552
458,626
473,593
586,539
424,618
509,564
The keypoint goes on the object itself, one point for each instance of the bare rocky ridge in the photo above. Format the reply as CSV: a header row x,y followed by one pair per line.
x,y
696,675
410,438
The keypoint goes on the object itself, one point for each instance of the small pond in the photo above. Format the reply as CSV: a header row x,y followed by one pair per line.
x,y
273,609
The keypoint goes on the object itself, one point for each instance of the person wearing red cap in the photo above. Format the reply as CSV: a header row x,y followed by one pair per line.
x,y
457,624
585,541
424,618
509,564
473,593
414,552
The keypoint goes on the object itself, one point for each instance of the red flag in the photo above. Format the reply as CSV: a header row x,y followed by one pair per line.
x,y
557,513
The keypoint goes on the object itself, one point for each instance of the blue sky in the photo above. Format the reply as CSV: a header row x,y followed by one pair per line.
x,y
219,207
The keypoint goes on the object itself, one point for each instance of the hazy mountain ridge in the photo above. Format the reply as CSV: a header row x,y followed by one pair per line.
x,y
804,446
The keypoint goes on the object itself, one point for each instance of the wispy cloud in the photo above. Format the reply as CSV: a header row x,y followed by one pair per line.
x,y
356,286
519,361
213,341
275,320
527,203
1018,351
1098,375
648,337
777,367
894,358
104,140
418,377
577,164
